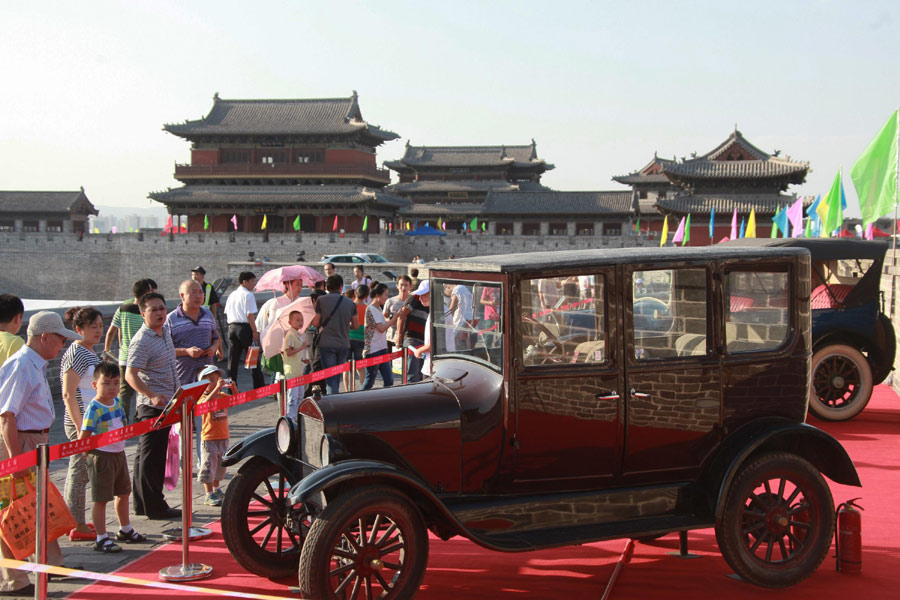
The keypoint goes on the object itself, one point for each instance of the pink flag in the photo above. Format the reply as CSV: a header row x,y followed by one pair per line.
x,y
114,228
679,233
334,227
734,230
168,227
795,216
869,235
234,221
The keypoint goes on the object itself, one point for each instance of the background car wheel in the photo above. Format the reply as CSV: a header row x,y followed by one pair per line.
x,y
259,530
778,521
841,383
368,543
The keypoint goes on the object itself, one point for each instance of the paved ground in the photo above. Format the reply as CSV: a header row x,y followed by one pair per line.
x,y
243,420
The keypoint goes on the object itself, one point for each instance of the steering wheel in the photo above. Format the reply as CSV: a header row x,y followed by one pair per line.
x,y
557,345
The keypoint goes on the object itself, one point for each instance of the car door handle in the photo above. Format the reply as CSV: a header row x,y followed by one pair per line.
x,y
607,396
639,395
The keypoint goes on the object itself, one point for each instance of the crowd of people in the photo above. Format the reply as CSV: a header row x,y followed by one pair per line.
x,y
160,350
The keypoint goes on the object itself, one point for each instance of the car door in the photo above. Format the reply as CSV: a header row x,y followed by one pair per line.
x,y
672,373
567,386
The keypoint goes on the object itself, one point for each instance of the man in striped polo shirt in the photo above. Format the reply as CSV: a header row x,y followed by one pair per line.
x,y
126,322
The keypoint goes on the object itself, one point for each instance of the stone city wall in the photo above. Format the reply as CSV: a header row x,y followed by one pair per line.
x,y
104,267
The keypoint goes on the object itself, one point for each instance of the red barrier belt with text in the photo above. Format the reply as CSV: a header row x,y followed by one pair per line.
x,y
28,459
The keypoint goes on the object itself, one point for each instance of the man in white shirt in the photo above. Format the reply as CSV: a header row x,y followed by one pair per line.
x,y
240,310
26,414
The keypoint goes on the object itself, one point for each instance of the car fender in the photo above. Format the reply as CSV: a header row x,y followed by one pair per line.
x,y
769,435
260,443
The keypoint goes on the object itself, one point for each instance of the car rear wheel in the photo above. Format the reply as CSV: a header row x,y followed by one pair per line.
x,y
778,521
262,533
367,543
841,383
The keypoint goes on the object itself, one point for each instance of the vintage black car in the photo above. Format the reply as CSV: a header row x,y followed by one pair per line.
x,y
576,397
853,339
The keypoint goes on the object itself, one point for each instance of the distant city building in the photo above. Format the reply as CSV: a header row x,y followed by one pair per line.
x,y
52,212
280,159
735,175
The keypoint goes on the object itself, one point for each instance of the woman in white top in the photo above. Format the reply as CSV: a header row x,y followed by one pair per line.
x,y
76,371
376,337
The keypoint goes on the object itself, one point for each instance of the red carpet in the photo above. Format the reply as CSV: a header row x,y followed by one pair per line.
x,y
460,569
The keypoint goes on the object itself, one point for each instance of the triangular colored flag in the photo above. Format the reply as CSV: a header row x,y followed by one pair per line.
x,y
234,221
665,232
297,223
830,210
679,233
205,222
869,234
795,215
687,231
782,222
712,218
96,230
741,234
875,173
416,224
265,221
334,227
807,233
637,225
474,224
734,229
444,226
169,225
407,225
440,223
366,223
751,224
464,225
113,230
483,226
774,232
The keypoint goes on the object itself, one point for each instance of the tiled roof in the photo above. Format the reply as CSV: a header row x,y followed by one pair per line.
x,y
725,204
469,156
442,210
456,186
44,202
280,117
238,196
642,175
559,203
717,165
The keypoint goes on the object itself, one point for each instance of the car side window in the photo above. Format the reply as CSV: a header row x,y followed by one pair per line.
x,y
670,313
756,311
563,321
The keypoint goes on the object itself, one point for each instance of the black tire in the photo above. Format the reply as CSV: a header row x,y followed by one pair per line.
x,y
259,530
840,384
776,535
338,562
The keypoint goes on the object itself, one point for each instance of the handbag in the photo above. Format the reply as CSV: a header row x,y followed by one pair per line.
x,y
272,365
252,360
17,521
173,462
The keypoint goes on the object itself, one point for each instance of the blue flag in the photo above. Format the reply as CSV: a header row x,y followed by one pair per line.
x,y
712,218
781,221
742,227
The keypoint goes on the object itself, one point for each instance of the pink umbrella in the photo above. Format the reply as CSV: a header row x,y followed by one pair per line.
x,y
273,337
272,280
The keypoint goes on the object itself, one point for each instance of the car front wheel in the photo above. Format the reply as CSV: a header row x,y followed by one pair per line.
x,y
367,543
841,383
778,521
262,533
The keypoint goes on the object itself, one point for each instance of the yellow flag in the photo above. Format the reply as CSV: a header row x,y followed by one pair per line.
x,y
96,230
264,221
751,224
665,232
439,223
407,225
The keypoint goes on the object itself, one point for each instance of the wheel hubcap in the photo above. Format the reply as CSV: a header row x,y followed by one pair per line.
x,y
836,381
368,558
775,521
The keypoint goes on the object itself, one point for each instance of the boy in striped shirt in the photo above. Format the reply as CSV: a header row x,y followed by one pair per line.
x,y
107,467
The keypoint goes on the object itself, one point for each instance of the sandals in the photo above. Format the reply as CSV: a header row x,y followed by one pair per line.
x,y
132,537
107,546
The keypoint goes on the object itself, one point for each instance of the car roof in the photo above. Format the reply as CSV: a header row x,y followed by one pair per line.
x,y
538,261
822,248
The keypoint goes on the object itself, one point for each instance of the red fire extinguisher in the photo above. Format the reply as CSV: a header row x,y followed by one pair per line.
x,y
848,538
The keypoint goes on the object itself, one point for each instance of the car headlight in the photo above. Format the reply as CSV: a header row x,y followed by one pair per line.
x,y
285,435
325,451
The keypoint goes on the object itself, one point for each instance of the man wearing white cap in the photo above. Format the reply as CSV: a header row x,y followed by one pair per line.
x,y
26,414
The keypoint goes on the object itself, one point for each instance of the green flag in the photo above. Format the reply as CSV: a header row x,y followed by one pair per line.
x,y
297,223
875,174
474,224
483,226
366,223
807,233
205,222
637,225
830,210
687,231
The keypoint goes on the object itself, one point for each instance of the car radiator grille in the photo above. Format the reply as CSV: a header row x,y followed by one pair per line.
x,y
311,431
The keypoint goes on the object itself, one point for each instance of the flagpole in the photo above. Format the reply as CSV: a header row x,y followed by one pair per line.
x,y
894,226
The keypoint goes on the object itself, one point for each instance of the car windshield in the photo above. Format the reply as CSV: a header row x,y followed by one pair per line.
x,y
377,258
467,319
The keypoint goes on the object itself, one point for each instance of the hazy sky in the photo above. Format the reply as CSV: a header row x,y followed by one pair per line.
x,y
87,86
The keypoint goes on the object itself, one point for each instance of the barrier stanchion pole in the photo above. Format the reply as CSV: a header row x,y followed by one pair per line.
x,y
187,571
40,542
404,368
282,395
352,387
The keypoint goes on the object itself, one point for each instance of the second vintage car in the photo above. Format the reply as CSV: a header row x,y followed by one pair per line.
x,y
575,397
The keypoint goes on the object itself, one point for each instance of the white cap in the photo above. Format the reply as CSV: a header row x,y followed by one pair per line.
x,y
423,288
49,322
207,370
